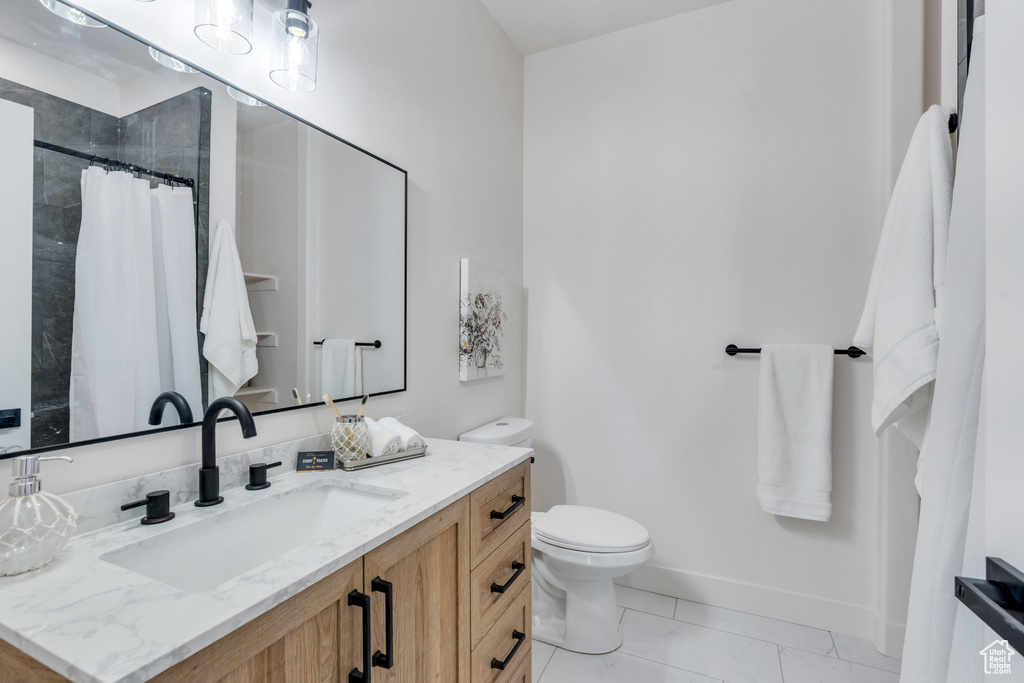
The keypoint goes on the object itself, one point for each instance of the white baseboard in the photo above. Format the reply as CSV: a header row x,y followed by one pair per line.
x,y
855,620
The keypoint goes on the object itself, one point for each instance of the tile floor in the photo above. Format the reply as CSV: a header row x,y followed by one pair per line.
x,y
665,640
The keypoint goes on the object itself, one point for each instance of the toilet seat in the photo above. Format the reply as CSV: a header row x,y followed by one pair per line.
x,y
589,530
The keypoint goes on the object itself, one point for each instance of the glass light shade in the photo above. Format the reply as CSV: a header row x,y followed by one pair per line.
x,y
225,25
33,529
169,61
71,14
294,51
245,99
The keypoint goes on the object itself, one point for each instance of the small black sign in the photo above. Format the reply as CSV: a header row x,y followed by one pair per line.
x,y
314,461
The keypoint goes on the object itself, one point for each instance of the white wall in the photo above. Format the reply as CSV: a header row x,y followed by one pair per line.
x,y
16,121
1004,364
435,88
717,177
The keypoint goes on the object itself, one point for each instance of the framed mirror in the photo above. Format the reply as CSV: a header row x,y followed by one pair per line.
x,y
164,232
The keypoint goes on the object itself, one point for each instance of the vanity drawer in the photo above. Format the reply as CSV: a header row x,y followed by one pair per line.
x,y
507,568
497,510
511,628
524,674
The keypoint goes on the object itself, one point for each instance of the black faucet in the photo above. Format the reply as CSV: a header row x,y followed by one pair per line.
x,y
209,473
179,403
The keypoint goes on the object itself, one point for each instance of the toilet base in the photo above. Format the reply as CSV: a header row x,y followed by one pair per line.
x,y
583,617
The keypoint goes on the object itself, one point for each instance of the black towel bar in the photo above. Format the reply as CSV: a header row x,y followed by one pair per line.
x,y
375,344
852,352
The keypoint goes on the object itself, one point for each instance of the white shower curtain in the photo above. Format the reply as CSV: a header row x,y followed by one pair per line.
x,y
115,372
943,638
134,329
174,258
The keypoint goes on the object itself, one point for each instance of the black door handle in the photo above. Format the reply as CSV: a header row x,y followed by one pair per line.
x,y
500,665
357,599
520,568
386,661
517,502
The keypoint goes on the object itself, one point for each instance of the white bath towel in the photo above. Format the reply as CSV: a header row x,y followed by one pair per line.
x,y
902,317
341,369
794,429
230,344
383,440
411,439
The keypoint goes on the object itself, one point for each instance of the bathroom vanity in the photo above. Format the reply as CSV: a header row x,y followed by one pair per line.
x,y
416,571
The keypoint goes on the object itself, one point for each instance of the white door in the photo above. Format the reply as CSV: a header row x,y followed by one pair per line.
x,y
16,135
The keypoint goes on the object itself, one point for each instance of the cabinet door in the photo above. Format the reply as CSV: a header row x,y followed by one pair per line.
x,y
427,568
313,637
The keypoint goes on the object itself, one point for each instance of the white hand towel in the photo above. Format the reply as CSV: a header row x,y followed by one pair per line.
x,y
341,369
383,440
903,314
230,344
794,429
411,439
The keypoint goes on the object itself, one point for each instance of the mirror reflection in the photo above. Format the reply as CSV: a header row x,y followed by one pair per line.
x,y
168,237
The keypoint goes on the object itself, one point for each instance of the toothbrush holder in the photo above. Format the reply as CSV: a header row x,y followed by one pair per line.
x,y
350,438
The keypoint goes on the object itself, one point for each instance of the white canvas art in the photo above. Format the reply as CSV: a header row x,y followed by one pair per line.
x,y
482,320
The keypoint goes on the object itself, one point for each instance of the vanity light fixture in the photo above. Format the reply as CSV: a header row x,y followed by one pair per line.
x,y
225,25
169,61
245,99
294,49
71,14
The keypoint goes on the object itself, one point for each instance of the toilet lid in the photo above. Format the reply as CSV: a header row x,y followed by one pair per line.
x,y
586,529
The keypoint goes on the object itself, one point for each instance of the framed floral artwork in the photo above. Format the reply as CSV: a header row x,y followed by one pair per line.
x,y
482,320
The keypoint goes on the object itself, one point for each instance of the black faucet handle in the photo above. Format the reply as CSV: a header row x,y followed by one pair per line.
x,y
158,507
258,475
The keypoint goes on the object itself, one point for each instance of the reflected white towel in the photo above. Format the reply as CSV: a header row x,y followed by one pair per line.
x,y
794,429
902,317
383,440
341,369
411,439
230,344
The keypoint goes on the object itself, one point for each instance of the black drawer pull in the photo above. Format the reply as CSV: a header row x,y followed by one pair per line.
x,y
520,637
517,502
386,661
357,599
520,568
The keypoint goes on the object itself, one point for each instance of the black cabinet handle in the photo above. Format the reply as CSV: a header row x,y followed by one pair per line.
x,y
500,665
520,568
357,599
386,661
517,502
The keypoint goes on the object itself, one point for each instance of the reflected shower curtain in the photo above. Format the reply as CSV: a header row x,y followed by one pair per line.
x,y
115,372
174,259
134,329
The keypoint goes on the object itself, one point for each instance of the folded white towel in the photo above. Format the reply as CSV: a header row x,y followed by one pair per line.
x,y
383,440
230,344
794,430
902,317
341,369
411,439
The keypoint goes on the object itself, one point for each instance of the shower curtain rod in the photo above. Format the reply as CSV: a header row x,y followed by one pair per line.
x,y
852,352
92,158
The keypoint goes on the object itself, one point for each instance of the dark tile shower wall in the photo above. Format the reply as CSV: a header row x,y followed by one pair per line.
x,y
57,216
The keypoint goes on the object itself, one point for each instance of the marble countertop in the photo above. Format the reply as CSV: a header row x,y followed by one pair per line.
x,y
94,622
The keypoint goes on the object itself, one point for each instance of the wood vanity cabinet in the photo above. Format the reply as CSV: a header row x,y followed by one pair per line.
x,y
459,585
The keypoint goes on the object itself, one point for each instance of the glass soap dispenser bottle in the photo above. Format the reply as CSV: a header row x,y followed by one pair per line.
x,y
34,524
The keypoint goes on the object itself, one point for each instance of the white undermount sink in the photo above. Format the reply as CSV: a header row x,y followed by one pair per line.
x,y
204,554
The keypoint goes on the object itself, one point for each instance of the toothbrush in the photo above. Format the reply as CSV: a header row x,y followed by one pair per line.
x,y
295,395
366,397
327,397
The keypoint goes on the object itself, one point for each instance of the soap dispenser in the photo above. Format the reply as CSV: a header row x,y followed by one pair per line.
x,y
34,524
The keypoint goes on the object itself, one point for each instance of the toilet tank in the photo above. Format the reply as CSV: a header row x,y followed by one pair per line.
x,y
508,431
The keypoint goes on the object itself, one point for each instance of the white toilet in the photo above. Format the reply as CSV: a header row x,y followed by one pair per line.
x,y
577,552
